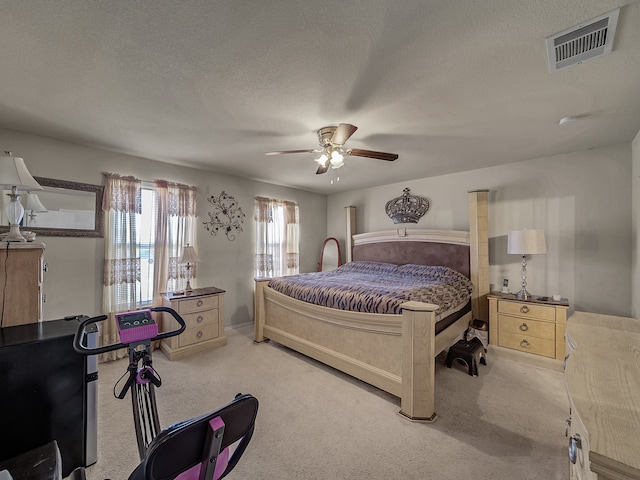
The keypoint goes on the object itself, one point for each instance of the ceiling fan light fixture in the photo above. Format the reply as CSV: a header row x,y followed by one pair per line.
x,y
322,159
337,157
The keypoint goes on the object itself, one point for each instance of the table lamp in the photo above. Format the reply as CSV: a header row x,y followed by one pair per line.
x,y
526,242
189,256
34,206
15,176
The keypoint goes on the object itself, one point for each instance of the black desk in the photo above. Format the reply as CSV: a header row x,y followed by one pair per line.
x,y
46,393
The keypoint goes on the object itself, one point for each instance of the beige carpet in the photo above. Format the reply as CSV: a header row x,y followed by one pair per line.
x,y
316,423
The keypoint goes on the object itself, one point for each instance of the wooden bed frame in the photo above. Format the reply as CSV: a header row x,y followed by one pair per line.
x,y
392,352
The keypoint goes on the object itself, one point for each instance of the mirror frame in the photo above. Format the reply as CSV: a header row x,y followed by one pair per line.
x,y
324,244
98,231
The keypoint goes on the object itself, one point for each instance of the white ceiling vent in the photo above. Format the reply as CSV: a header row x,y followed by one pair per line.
x,y
583,42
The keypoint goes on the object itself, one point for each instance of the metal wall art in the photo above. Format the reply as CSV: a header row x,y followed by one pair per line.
x,y
226,217
407,208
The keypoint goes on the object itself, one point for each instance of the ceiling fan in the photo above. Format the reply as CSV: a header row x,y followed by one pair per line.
x,y
332,153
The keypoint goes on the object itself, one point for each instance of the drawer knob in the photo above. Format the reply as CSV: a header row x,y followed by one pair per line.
x,y
524,327
199,334
574,444
524,344
200,303
199,319
524,309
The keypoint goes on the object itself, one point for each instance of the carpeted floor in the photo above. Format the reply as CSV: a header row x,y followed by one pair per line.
x,y
317,423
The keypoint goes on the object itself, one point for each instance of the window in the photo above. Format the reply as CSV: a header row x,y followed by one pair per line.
x,y
277,233
147,226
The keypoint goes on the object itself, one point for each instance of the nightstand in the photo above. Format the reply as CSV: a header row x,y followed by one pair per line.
x,y
535,326
203,311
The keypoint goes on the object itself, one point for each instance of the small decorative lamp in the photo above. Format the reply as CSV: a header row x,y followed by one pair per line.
x,y
14,175
34,206
526,242
189,256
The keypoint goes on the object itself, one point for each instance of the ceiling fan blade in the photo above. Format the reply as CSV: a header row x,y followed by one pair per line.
x,y
323,168
342,133
292,151
389,157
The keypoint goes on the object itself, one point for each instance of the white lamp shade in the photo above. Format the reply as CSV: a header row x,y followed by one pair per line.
x,y
14,173
34,204
189,255
526,242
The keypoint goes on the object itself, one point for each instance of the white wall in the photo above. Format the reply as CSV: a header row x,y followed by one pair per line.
x,y
582,200
73,284
635,283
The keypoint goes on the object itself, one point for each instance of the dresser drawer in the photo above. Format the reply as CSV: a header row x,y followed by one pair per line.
x,y
527,343
197,304
541,312
527,327
198,334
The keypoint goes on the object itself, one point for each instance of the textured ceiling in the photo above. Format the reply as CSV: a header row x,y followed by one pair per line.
x,y
447,85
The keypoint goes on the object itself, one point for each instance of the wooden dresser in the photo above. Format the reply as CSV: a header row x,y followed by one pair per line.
x,y
203,312
532,326
21,271
603,383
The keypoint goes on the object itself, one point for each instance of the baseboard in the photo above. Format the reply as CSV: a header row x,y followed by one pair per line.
x,y
235,326
528,358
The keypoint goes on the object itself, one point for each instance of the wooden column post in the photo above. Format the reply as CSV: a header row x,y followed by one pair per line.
x,y
418,361
258,310
351,230
479,252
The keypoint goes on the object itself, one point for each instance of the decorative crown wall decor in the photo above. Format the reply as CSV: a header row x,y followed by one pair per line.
x,y
226,217
407,208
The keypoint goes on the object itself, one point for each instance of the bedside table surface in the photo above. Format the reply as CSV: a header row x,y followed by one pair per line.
x,y
196,292
532,299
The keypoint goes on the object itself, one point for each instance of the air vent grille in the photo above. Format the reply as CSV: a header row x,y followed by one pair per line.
x,y
584,42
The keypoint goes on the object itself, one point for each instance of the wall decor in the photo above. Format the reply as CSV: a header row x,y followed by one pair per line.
x,y
226,217
407,208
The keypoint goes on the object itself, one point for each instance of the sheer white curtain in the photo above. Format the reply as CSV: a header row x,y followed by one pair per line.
x,y
122,205
175,228
277,237
146,230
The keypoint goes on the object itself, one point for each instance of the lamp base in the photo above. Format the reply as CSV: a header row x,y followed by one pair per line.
x,y
14,235
523,294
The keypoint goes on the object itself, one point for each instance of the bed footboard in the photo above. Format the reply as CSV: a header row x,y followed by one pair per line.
x,y
392,352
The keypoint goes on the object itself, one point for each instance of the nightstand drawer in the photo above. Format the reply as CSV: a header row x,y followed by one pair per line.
x,y
198,304
528,327
197,319
198,334
526,343
541,312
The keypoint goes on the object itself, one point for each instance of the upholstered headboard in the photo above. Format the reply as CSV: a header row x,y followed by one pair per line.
x,y
449,248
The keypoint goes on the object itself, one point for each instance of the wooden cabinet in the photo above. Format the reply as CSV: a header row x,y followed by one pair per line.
x,y
203,312
532,326
21,269
603,384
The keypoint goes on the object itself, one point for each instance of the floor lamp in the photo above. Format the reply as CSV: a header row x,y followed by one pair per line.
x,y
526,242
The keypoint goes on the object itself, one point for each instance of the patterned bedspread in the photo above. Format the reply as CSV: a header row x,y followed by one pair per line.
x,y
375,287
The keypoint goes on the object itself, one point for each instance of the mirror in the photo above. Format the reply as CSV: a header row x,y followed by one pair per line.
x,y
330,256
61,209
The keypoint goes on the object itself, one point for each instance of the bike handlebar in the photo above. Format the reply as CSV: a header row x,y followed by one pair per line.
x,y
82,349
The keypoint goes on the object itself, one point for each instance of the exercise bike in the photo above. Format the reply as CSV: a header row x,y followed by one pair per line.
x,y
199,448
